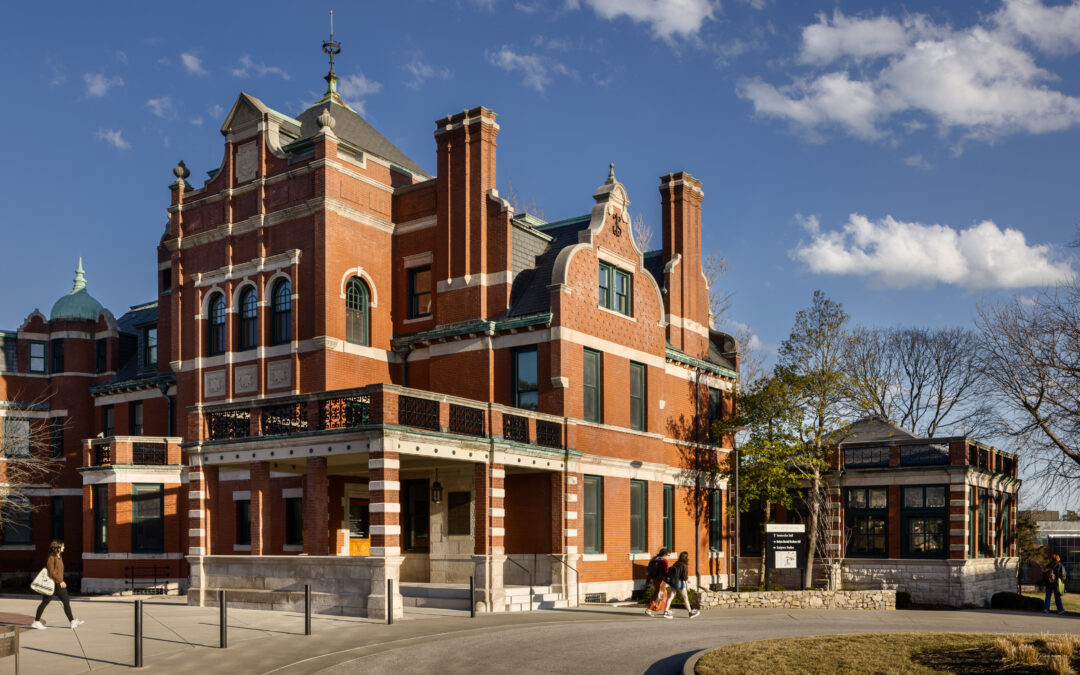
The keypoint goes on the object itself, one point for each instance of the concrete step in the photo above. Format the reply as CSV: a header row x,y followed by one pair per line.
x,y
435,603
421,590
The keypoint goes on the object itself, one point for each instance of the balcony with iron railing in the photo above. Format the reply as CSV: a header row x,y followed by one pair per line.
x,y
378,407
131,451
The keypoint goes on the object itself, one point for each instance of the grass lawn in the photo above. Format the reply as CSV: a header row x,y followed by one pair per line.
x,y
1071,601
877,653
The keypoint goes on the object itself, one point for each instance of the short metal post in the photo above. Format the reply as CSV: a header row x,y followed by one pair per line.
x,y
307,609
389,601
472,598
224,619
138,634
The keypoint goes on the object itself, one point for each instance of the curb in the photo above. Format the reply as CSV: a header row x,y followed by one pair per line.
x,y
691,663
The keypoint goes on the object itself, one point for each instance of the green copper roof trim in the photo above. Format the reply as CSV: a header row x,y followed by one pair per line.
x,y
481,326
686,359
145,305
133,383
569,221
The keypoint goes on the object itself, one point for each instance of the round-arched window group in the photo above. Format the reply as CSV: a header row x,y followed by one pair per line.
x,y
247,325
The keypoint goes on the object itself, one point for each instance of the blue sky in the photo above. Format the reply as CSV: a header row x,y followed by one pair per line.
x,y
910,162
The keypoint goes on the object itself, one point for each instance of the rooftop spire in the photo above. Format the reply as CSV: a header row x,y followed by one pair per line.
x,y
80,278
331,49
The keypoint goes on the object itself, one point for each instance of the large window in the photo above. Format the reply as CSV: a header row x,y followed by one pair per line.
x,y
36,358
526,392
147,518
714,520
149,335
669,517
101,347
615,289
866,457
867,522
215,327
419,292
248,326
637,396
107,427
416,514
294,521
281,313
56,351
591,387
18,527
593,514
135,417
243,522
56,518
100,497
923,520
56,438
357,312
638,516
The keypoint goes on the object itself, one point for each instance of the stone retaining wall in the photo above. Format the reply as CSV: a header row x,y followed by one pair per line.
x,y
799,599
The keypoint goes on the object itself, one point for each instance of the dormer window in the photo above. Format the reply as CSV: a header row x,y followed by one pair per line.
x,y
149,346
614,289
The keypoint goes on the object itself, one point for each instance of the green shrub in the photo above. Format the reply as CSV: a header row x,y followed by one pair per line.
x,y
758,589
903,600
1009,600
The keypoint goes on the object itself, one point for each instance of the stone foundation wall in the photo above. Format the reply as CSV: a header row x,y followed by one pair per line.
x,y
878,600
957,583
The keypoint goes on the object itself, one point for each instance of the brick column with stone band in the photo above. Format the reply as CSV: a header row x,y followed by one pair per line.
x,y
260,507
489,550
958,524
316,508
384,510
202,483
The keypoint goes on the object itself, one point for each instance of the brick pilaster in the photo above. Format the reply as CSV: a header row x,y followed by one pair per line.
x,y
574,523
202,483
385,505
260,507
316,507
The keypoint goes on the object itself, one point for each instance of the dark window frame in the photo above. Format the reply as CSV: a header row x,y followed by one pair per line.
x,y
135,418
247,320
520,395
148,529
100,498
56,355
56,437
150,347
669,517
357,312
101,355
294,521
639,377
19,530
594,544
594,391
242,532
108,420
42,359
715,539
281,310
910,515
855,516
56,517
615,289
716,411
215,325
416,515
415,295
639,522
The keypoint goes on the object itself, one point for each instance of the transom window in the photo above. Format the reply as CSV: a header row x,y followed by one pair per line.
x,y
281,313
248,336
419,292
357,312
867,521
614,289
215,334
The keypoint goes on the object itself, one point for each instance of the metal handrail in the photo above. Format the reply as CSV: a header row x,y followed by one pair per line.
x,y
577,578
526,570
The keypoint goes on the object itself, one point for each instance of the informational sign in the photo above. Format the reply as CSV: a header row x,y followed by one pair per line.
x,y
786,546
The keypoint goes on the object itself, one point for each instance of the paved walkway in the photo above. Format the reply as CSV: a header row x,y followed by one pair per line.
x,y
179,638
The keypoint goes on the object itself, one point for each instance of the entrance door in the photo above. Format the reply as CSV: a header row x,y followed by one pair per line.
x,y
359,532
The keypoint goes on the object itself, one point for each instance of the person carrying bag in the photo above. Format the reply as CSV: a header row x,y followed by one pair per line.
x,y
1054,577
54,573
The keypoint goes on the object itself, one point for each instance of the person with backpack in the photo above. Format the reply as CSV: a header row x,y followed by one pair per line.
x,y
657,570
55,567
676,578
1054,578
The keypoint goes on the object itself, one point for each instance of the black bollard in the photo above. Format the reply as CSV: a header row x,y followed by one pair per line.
x,y
307,609
389,601
472,599
138,634
224,619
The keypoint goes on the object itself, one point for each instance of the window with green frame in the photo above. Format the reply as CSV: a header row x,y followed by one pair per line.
x,y
924,521
615,289
638,515
150,344
56,351
591,388
1004,536
867,522
637,396
669,517
593,514
35,359
714,520
357,312
984,540
526,382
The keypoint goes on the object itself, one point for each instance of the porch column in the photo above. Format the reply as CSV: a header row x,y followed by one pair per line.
x,y
316,508
489,552
563,515
384,509
260,507
202,484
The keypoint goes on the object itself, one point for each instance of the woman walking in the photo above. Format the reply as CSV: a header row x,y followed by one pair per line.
x,y
676,578
55,567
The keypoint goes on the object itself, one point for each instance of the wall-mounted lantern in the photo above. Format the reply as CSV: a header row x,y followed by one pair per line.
x,y
436,489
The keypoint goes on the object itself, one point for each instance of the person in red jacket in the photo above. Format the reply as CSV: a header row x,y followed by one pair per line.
x,y
658,568
55,566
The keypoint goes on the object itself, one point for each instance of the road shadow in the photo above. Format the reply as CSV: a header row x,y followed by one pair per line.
x,y
77,657
671,664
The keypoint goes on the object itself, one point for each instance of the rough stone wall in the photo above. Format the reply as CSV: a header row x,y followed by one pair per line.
x,y
957,583
877,600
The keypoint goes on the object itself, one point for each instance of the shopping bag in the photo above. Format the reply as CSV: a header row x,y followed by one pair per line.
x,y
43,583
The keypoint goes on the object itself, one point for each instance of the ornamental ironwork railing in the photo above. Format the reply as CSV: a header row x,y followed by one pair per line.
x,y
347,412
516,428
229,424
148,453
466,420
549,434
290,418
102,454
418,412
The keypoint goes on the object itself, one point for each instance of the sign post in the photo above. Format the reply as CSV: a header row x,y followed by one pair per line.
x,y
785,548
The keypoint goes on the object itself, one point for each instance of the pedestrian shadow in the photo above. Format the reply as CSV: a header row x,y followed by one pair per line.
x,y
169,640
670,664
260,630
77,657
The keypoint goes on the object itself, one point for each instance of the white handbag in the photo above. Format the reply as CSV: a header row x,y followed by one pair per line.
x,y
43,583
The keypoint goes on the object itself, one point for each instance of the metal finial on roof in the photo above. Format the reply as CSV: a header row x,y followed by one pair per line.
x,y
611,173
181,171
331,49
80,278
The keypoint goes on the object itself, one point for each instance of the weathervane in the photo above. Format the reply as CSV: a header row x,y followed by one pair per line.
x,y
330,47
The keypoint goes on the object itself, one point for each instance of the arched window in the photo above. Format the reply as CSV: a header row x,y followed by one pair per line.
x,y
281,313
357,312
247,327
215,333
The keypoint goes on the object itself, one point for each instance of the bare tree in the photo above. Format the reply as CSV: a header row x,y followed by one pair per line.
x,y
24,462
643,234
921,379
518,203
714,266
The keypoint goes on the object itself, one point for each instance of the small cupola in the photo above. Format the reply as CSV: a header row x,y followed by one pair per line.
x,y
78,304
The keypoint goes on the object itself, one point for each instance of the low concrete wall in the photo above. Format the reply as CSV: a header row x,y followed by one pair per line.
x,y
879,600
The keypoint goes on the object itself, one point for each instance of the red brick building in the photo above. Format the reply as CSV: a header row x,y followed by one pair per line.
x,y
394,375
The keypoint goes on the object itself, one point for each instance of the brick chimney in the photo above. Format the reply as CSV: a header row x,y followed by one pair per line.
x,y
687,298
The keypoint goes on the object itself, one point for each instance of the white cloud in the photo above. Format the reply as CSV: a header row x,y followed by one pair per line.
x,y
421,72
192,63
979,81
537,70
97,85
917,161
162,107
355,88
216,111
898,254
248,67
667,18
121,57
114,138
196,121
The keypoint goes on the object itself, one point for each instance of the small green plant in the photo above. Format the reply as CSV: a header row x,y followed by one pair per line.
x,y
759,589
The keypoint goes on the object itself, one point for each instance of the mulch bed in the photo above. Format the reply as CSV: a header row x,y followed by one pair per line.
x,y
981,660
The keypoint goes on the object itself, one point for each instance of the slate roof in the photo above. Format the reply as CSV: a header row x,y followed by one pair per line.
x,y
877,430
654,263
529,294
131,372
350,127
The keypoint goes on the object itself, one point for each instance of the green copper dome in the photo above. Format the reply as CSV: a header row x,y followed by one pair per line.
x,y
78,304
